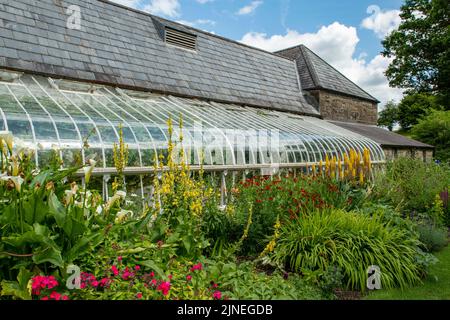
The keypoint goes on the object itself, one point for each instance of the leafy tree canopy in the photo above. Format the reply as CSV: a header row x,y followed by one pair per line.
x,y
388,117
435,130
420,48
415,106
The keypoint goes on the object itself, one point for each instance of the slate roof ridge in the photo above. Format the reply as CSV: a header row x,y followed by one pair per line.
x,y
307,59
193,29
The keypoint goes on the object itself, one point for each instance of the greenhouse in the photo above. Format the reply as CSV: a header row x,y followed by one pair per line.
x,y
81,121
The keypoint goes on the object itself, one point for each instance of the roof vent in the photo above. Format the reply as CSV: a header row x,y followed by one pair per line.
x,y
180,39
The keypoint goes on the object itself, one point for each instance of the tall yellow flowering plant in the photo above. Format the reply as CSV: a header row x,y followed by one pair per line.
x,y
178,198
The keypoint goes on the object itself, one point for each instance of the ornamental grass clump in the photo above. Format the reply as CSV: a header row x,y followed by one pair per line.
x,y
352,242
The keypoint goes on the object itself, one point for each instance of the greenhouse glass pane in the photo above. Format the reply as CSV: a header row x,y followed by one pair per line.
x,y
45,130
20,128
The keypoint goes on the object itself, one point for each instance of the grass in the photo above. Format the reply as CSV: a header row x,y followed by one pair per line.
x,y
435,287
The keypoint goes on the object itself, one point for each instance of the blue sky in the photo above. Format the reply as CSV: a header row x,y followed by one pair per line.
x,y
346,33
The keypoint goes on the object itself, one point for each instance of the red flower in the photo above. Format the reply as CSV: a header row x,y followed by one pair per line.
x,y
152,274
258,200
65,297
139,295
188,277
137,268
119,258
44,298
198,266
55,295
114,270
164,287
170,277
217,295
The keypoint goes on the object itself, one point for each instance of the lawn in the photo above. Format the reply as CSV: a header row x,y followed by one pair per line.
x,y
435,287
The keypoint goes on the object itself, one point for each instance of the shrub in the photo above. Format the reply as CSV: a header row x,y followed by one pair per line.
x,y
288,198
433,238
435,130
351,242
411,184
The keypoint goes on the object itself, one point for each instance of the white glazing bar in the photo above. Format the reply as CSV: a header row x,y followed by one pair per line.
x,y
48,114
226,123
4,119
177,103
97,131
68,115
136,119
36,159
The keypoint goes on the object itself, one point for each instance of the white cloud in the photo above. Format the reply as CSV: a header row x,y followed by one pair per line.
x,y
250,8
128,3
381,22
170,8
336,44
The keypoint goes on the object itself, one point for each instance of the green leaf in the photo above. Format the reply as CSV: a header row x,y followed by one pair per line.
x,y
152,265
19,288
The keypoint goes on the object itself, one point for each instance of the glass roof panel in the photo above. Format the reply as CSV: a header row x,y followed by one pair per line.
x,y
36,110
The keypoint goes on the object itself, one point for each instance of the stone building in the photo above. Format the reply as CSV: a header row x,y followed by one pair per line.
x,y
343,103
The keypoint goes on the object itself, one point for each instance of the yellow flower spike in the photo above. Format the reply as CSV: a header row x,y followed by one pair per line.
x,y
320,167
313,170
361,178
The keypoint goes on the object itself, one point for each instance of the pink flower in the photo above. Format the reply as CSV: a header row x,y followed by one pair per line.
x,y
65,297
127,275
55,295
217,295
198,266
188,277
152,274
94,283
44,298
164,287
170,277
105,282
83,285
139,295
119,258
114,270
154,282
137,268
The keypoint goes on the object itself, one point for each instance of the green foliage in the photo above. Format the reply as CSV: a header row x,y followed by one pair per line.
x,y
241,281
352,242
288,197
420,48
388,117
434,238
414,107
434,129
411,184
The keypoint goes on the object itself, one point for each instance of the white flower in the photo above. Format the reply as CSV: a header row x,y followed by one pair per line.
x,y
122,215
69,196
8,138
88,170
121,194
99,209
17,182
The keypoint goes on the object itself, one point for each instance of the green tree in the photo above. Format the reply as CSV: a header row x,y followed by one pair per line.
x,y
420,48
388,117
414,107
435,130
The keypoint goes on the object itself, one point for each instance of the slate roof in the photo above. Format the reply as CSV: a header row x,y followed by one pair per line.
x,y
125,47
316,73
382,136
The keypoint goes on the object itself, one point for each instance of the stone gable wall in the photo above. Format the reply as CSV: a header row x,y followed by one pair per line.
x,y
344,108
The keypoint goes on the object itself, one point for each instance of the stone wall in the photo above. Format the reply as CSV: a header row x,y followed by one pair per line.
x,y
423,154
333,106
